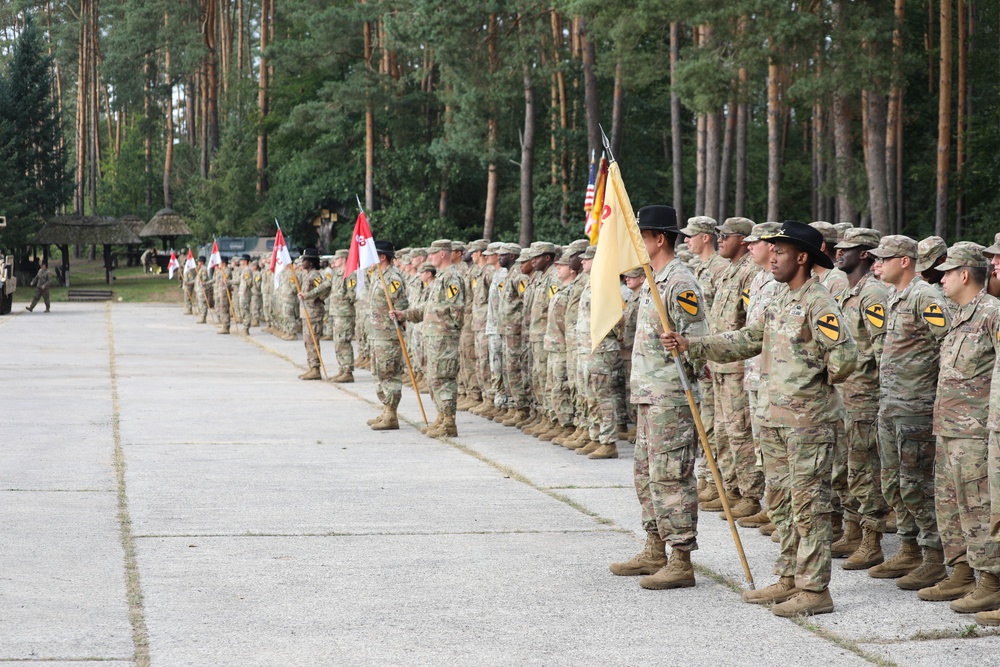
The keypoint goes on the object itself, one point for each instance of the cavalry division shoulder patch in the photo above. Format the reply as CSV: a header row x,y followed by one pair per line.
x,y
317,282
394,286
876,315
553,290
475,281
500,287
688,301
521,286
829,327
934,315
352,282
745,295
453,291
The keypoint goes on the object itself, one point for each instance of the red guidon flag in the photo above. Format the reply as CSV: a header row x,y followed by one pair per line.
x,y
172,265
362,253
189,262
215,258
280,259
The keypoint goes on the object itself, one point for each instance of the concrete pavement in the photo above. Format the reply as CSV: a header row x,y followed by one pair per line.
x,y
175,497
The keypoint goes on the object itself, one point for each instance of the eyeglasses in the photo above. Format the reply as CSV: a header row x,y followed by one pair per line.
x,y
881,260
723,237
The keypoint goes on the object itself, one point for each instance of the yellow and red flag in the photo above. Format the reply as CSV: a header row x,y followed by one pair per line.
x,y
620,249
593,227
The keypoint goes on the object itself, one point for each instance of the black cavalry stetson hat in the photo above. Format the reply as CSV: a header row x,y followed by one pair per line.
x,y
385,248
808,238
658,219
308,253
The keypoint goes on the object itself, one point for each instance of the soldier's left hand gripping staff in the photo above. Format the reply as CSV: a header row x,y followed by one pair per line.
x,y
805,351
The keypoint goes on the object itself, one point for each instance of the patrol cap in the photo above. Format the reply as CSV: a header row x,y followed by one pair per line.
x,y
805,237
493,248
699,224
479,245
828,231
964,253
509,249
385,248
427,266
539,248
341,254
634,273
741,226
525,255
439,245
457,246
842,228
762,229
580,245
860,236
928,251
418,252
993,249
895,245
566,256
589,252
403,251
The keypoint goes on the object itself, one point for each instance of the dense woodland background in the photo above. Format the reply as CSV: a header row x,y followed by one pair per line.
x,y
464,119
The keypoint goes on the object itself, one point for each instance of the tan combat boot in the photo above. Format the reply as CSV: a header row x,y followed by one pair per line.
x,y
389,422
589,448
930,571
446,428
311,374
677,573
551,433
373,420
530,420
710,492
986,597
988,618
890,522
907,560
504,415
757,520
745,507
467,403
961,582
516,418
344,377
716,505
849,543
537,425
768,528
488,412
652,557
869,552
702,485
630,436
566,433
773,594
806,603
434,424
606,451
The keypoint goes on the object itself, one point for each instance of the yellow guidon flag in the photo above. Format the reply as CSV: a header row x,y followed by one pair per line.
x,y
619,249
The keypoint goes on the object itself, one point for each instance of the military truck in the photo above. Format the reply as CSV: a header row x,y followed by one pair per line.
x,y
8,280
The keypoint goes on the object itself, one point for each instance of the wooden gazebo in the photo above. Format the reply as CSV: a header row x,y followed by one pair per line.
x,y
167,225
67,230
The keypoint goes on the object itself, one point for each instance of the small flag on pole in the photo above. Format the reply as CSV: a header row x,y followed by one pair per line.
x,y
588,199
215,258
362,253
189,262
280,258
172,265
593,226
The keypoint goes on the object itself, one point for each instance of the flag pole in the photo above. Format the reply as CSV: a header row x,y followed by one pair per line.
x,y
312,332
661,309
399,333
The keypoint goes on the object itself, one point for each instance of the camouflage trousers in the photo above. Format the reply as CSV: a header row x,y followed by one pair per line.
x,y
418,355
619,387
557,384
310,339
481,351
798,464
468,384
245,317
361,335
343,334
906,448
498,387
571,371
256,309
539,369
387,367
734,438
442,372
514,373
962,503
600,376
665,446
201,305
707,409
630,411
581,400
863,472
222,309
188,301
40,295
844,503
994,477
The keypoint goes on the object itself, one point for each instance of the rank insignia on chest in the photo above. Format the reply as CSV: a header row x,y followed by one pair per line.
x,y
745,295
351,283
553,289
829,327
688,300
521,286
452,291
876,315
933,315
394,286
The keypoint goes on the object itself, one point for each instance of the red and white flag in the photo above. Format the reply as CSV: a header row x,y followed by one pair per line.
x,y
215,258
172,265
189,262
280,259
362,253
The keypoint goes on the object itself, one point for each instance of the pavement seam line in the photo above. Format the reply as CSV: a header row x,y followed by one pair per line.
x,y
160,536
133,587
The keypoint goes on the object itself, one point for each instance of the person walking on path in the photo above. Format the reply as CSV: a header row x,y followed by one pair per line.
x,y
41,283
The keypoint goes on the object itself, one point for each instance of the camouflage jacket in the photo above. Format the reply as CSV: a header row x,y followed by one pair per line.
x,y
493,301
763,287
42,279
256,278
246,279
479,295
804,352
343,294
836,282
629,320
444,305
555,326
728,311
576,288
190,275
710,275
512,298
545,287
202,281
584,341
916,321
864,316
968,357
314,288
380,324
655,379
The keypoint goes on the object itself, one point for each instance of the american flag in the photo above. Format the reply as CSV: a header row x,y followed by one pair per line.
x,y
588,200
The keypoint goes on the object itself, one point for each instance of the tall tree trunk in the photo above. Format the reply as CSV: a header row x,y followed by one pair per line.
x,y
699,164
960,118
527,162
843,152
210,29
493,130
893,166
617,111
592,102
875,127
726,170
713,134
675,124
168,153
944,123
369,123
742,119
82,87
773,135
262,97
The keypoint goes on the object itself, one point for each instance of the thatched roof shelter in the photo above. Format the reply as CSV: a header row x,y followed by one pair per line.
x,y
166,224
133,222
84,230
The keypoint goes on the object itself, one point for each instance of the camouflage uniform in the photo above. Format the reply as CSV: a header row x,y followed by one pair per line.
x,y
245,290
557,380
630,319
546,284
599,363
480,354
495,342
256,295
915,324
41,283
574,370
803,351
386,354
511,325
267,296
189,279
441,315
709,273
961,412
364,318
467,339
343,296
666,443
762,290
315,288
202,291
220,279
733,434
